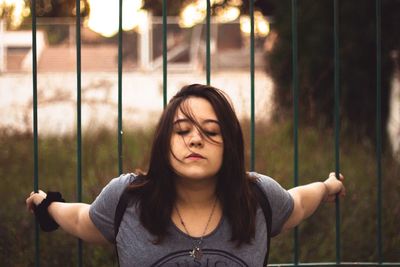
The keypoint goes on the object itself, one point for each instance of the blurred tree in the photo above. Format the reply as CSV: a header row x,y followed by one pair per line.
x,y
13,13
174,7
60,8
316,59
316,62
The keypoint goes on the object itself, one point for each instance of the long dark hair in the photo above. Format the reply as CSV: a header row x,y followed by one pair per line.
x,y
155,191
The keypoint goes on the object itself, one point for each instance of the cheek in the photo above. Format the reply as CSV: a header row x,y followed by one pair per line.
x,y
220,155
177,149
177,143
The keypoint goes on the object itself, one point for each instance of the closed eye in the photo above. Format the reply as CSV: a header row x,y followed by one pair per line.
x,y
211,133
182,132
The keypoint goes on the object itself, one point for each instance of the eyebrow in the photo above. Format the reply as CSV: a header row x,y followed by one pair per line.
x,y
203,122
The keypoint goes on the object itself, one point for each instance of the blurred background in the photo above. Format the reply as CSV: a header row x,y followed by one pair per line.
x,y
142,84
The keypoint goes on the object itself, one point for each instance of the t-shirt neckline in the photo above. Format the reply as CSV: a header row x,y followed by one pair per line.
x,y
179,231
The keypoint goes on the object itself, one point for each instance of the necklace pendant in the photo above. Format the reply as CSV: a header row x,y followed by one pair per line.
x,y
196,253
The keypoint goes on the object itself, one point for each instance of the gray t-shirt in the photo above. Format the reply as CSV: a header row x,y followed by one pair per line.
x,y
134,242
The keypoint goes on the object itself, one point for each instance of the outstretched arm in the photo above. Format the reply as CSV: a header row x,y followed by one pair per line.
x,y
308,197
72,218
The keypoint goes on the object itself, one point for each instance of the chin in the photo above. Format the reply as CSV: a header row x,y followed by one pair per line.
x,y
195,175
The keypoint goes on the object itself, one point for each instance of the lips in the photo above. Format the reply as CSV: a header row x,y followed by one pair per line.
x,y
195,155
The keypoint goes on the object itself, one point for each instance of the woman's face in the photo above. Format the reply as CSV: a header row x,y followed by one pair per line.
x,y
194,155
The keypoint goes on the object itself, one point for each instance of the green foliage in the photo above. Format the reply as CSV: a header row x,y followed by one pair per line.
x,y
174,7
357,54
274,156
57,172
60,8
156,6
57,34
6,13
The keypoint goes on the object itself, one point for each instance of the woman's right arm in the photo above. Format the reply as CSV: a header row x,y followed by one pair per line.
x,y
72,217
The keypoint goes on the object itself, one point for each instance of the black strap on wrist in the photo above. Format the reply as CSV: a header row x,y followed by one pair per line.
x,y
46,222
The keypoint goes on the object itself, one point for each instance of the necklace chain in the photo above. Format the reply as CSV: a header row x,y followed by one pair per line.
x,y
196,252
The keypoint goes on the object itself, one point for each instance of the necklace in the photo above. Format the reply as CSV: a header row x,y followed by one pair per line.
x,y
196,253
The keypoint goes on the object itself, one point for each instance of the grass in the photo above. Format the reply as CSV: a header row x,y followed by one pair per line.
x,y
274,157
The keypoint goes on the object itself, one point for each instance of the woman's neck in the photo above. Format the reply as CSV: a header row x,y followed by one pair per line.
x,y
195,193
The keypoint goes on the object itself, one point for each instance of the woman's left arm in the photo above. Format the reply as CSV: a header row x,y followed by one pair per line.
x,y
308,197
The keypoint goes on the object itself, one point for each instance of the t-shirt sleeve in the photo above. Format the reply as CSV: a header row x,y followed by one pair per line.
x,y
102,210
280,200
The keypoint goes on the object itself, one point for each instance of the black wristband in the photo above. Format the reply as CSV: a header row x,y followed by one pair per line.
x,y
47,223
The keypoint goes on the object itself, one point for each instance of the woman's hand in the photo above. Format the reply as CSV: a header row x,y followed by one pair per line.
x,y
72,217
34,199
308,197
334,187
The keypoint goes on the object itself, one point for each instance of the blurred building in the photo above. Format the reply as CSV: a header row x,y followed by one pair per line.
x,y
142,78
142,49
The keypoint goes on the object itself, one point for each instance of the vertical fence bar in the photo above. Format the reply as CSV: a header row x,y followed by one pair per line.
x,y
120,131
35,127
252,124
295,88
337,118
78,121
165,62
78,126
378,132
208,40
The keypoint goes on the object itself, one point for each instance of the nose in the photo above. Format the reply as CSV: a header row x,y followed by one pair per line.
x,y
196,139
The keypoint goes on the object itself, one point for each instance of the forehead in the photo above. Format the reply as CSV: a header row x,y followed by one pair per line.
x,y
197,107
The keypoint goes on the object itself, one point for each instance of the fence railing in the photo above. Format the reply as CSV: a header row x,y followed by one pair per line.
x,y
295,87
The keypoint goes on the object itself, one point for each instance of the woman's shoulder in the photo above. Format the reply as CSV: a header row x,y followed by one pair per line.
x,y
117,185
267,183
260,178
125,178
110,194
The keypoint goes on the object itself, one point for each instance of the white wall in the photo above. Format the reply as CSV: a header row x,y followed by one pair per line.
x,y
142,98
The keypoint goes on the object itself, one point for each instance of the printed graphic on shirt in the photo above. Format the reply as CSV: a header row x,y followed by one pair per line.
x,y
210,258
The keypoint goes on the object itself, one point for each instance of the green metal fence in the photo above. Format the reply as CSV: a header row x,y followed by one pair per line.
x,y
295,87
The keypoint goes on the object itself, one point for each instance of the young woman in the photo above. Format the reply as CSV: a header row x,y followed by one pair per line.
x,y
195,206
